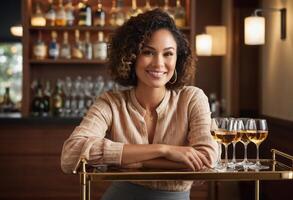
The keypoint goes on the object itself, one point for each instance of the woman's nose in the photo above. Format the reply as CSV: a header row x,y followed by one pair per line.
x,y
158,60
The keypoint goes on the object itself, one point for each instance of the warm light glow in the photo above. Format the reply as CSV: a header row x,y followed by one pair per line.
x,y
254,30
204,45
218,34
38,21
16,30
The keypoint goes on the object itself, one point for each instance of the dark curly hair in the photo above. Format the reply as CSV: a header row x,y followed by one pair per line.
x,y
129,39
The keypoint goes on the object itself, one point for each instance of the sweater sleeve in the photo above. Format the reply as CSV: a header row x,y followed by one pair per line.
x,y
199,135
88,139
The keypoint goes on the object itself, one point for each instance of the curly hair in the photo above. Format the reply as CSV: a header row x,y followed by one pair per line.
x,y
129,39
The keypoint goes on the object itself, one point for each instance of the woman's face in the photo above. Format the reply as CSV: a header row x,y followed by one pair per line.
x,y
157,60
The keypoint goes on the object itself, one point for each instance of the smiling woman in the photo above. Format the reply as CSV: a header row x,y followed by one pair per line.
x,y
158,123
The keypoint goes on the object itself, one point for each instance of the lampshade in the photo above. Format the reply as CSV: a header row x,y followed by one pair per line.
x,y
254,28
16,30
203,45
219,43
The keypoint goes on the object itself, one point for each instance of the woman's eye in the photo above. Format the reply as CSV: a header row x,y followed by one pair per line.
x,y
168,54
147,53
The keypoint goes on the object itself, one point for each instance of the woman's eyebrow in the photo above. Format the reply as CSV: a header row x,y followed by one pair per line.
x,y
167,48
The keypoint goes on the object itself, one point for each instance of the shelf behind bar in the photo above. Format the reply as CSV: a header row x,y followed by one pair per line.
x,y
82,28
68,61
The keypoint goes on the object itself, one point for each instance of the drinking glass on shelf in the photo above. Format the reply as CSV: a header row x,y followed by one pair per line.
x,y
226,134
214,127
257,136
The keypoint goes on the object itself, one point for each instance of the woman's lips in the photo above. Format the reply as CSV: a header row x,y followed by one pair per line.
x,y
156,74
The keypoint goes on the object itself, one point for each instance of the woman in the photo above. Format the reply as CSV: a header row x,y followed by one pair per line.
x,y
159,123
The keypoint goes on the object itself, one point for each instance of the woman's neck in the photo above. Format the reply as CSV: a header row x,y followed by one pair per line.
x,y
150,98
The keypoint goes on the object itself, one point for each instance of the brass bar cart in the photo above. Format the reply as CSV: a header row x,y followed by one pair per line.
x,y
277,171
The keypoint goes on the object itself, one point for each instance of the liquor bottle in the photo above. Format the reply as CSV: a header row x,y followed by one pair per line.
x,y
47,98
100,47
53,46
179,15
147,6
40,48
57,100
88,47
60,14
77,48
134,11
69,10
38,18
117,16
7,104
39,103
65,48
50,14
85,14
167,9
99,15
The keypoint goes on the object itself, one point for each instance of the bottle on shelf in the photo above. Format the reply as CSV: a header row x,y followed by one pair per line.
x,y
100,47
7,105
47,97
57,100
179,15
69,10
88,47
65,47
168,9
50,14
60,14
134,11
38,18
40,48
39,103
84,13
77,48
54,46
117,16
147,6
99,15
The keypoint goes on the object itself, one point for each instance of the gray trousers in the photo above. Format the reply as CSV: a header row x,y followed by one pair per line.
x,y
130,191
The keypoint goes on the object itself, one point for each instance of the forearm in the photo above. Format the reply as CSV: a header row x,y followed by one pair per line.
x,y
135,153
162,163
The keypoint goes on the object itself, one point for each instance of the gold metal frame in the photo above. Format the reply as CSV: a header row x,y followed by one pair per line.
x,y
278,171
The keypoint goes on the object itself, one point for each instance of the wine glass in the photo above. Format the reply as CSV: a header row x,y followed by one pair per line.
x,y
257,136
214,127
226,133
239,127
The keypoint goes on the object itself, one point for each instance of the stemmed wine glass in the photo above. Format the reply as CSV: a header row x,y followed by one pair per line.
x,y
257,136
226,134
238,126
214,127
241,129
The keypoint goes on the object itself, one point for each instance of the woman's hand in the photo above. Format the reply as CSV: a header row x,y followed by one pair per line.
x,y
192,158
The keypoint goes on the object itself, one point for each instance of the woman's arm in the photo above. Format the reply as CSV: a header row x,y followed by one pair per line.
x,y
169,156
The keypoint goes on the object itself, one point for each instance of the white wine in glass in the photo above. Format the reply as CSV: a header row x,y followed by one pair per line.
x,y
257,136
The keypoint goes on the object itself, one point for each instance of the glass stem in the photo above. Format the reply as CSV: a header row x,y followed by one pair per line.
x,y
226,155
257,155
219,152
245,153
234,152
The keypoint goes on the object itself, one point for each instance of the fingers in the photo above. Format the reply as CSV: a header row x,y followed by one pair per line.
x,y
204,159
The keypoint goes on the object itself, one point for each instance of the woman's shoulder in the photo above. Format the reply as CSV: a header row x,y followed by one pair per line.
x,y
190,91
115,97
